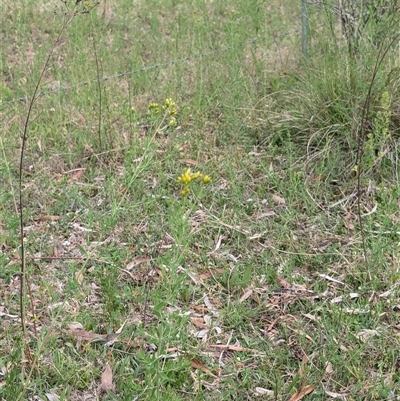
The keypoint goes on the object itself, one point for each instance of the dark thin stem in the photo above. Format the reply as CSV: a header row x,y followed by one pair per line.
x,y
20,181
382,53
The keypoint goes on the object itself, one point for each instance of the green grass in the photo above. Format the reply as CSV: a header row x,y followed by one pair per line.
x,y
266,260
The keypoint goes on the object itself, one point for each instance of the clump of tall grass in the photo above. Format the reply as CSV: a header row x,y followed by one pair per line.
x,y
333,98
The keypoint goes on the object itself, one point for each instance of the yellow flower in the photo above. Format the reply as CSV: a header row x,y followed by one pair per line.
x,y
186,177
169,103
185,191
172,122
87,4
154,107
169,107
195,176
206,179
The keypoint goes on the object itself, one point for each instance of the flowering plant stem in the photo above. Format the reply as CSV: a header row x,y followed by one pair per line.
x,y
26,354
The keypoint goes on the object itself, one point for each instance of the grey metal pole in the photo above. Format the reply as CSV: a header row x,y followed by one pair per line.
x,y
304,28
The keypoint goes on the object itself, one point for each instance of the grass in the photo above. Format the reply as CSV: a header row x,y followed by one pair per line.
x,y
252,286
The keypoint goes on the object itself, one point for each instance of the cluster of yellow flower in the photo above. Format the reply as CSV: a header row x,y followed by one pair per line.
x,y
170,107
154,108
170,111
187,178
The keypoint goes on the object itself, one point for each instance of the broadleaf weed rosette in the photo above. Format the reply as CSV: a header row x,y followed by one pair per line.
x,y
187,178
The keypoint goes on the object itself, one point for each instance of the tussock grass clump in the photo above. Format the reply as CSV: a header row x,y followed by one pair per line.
x,y
332,101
